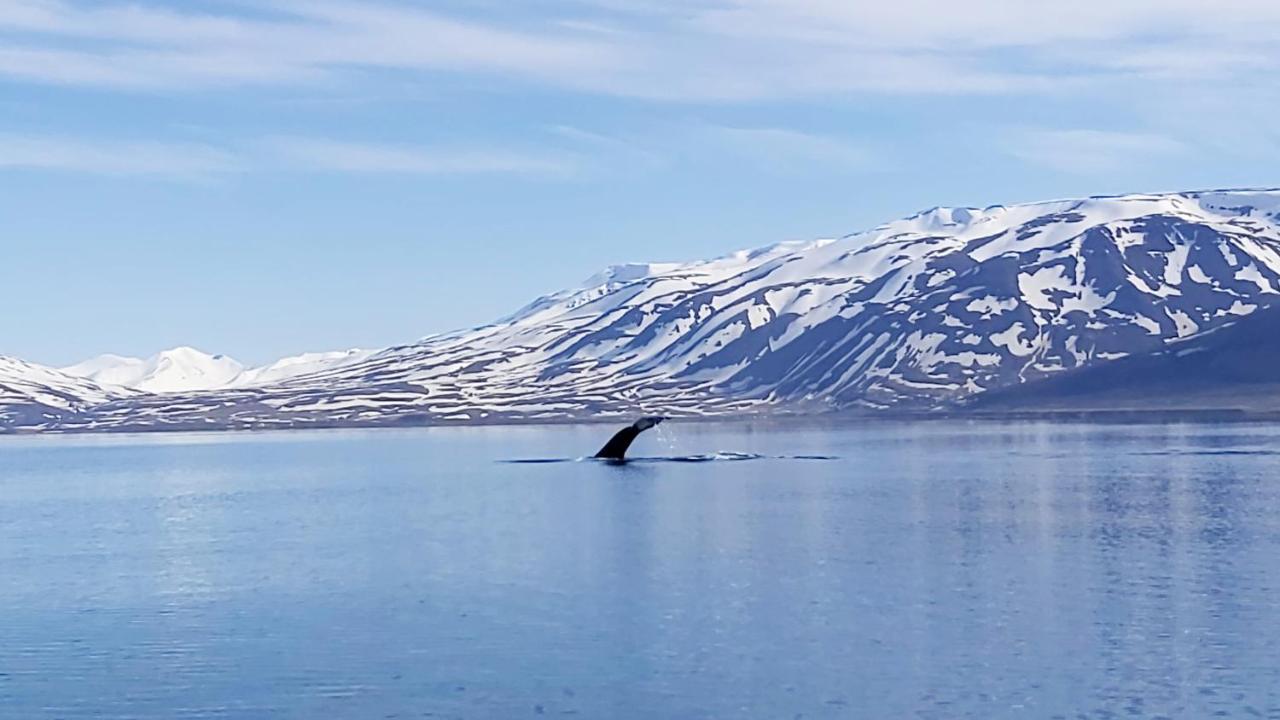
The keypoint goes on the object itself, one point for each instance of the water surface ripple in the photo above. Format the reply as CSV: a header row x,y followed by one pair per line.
x,y
929,570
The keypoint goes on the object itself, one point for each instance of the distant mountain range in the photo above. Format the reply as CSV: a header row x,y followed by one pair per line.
x,y
186,369
951,310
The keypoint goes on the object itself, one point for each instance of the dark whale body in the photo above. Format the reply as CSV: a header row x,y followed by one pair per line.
x,y
616,449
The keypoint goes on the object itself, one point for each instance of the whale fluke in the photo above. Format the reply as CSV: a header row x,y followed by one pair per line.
x,y
616,448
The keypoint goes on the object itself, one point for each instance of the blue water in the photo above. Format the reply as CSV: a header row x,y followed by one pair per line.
x,y
933,570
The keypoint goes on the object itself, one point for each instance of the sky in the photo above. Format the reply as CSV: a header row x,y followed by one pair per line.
x,y
267,177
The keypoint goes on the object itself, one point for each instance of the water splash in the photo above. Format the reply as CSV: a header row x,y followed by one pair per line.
x,y
663,435
714,457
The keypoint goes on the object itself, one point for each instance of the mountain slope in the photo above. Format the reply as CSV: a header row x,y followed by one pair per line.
x,y
1228,369
35,396
107,369
923,313
304,364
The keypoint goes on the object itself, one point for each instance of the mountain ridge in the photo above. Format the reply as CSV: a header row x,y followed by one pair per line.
x,y
186,369
915,315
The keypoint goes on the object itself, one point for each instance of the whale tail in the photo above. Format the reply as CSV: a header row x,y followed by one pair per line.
x,y
616,449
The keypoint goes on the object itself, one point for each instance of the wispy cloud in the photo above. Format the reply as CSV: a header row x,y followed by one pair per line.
x,y
981,23
789,150
766,149
188,161
144,159
1089,151
701,50
354,157
708,53
630,150
140,46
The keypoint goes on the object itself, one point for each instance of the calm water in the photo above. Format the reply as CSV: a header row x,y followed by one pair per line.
x,y
936,570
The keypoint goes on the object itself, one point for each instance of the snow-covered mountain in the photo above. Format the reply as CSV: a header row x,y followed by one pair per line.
x,y
32,395
304,364
181,369
919,314
186,369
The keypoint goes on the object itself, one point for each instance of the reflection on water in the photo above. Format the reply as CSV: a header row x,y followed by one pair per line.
x,y
931,570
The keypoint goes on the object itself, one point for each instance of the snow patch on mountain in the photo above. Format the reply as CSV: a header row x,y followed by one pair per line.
x,y
33,395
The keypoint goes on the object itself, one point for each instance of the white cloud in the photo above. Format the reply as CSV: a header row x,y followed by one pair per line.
x,y
145,47
981,23
353,157
702,50
189,161
631,151
153,159
1090,151
787,150
769,149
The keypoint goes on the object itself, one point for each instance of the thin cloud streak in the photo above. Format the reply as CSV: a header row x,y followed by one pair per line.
x,y
699,51
137,159
929,24
150,48
768,149
189,161
790,150
630,151
353,157
1088,152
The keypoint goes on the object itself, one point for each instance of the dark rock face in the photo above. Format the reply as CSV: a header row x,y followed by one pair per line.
x,y
1235,367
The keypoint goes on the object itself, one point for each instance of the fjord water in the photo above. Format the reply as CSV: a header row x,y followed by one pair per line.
x,y
933,570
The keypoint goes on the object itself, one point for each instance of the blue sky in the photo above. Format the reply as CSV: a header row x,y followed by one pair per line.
x,y
270,177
